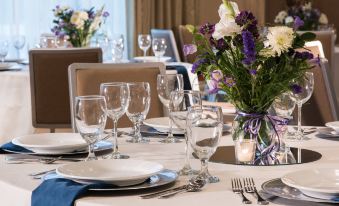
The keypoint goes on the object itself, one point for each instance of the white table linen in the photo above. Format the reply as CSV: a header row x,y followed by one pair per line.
x,y
16,186
15,105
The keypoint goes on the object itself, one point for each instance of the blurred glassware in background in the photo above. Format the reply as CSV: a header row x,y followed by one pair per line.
x,y
48,41
117,47
159,47
18,43
144,42
3,49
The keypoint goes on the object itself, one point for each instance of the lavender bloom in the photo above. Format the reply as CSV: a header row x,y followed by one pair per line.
x,y
189,49
296,89
315,61
221,45
217,75
207,29
249,48
213,87
303,55
248,21
253,72
297,23
197,64
229,81
105,14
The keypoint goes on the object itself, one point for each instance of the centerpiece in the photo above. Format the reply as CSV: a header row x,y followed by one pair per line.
x,y
301,10
77,26
253,66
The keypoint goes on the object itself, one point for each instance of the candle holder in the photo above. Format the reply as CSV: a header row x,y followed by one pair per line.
x,y
245,151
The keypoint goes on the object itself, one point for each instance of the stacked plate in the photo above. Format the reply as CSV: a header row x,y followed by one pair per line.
x,y
316,185
152,59
331,129
55,143
117,174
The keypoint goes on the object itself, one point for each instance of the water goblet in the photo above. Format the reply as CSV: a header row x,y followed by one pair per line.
x,y
180,102
19,43
204,129
117,47
90,120
302,92
159,47
3,50
144,42
138,107
167,83
116,95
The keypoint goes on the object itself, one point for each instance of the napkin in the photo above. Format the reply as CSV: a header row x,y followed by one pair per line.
x,y
14,148
61,191
182,70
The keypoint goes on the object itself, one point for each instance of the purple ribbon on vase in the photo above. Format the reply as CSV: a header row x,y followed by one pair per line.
x,y
252,126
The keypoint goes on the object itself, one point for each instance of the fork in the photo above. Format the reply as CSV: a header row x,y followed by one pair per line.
x,y
238,189
249,187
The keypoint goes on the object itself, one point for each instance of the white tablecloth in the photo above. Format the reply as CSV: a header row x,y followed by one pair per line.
x,y
16,186
15,105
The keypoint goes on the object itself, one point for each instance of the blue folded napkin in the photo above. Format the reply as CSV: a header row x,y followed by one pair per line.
x,y
14,148
182,70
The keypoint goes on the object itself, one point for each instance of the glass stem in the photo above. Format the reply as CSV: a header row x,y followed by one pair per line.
x,y
137,130
299,132
187,152
145,51
91,154
115,136
204,166
170,132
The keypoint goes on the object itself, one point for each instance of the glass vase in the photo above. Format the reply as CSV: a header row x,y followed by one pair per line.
x,y
257,138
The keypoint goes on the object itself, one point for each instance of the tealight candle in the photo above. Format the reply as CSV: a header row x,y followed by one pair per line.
x,y
245,151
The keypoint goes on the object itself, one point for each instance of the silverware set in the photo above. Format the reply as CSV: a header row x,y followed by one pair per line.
x,y
247,185
44,160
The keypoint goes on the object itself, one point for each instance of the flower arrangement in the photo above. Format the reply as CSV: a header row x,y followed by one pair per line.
x,y
77,26
252,65
302,14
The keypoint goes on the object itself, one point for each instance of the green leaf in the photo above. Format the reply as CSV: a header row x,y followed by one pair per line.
x,y
191,28
308,36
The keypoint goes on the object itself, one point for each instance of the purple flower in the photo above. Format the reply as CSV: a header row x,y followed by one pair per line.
x,y
207,28
249,48
248,21
303,55
297,23
253,72
213,86
105,14
221,45
189,49
296,89
197,64
229,81
217,75
315,61
57,6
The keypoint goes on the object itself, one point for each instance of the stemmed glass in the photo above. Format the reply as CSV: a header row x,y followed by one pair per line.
x,y
204,129
19,43
180,102
159,47
167,83
138,107
3,50
301,94
144,41
90,119
116,95
117,47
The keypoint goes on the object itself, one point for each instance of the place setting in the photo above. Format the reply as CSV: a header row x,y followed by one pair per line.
x,y
330,131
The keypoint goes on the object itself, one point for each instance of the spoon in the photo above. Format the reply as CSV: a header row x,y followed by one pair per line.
x,y
194,185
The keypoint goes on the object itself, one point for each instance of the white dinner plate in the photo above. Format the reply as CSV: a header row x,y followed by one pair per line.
x,y
152,59
120,172
334,125
161,124
327,132
51,143
319,183
6,65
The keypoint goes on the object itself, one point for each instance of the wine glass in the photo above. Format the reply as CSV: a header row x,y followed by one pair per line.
x,y
204,129
180,101
48,41
3,50
19,43
301,92
159,47
167,83
138,107
144,42
116,95
117,47
90,119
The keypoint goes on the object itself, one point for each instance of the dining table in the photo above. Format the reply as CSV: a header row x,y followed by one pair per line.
x,y
16,185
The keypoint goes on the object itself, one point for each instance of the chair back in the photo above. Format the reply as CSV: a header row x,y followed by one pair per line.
x,y
172,49
85,79
49,83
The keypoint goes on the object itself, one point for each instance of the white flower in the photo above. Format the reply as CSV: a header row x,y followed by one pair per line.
x,y
279,40
78,19
323,19
223,29
307,6
95,24
289,20
228,10
279,19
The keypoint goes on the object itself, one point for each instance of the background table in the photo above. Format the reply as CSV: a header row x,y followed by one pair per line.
x,y
16,186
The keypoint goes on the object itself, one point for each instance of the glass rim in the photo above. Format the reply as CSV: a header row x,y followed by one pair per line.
x,y
113,84
188,91
90,97
137,83
164,75
207,108
144,35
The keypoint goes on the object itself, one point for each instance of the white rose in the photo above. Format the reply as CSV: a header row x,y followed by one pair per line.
x,y
228,10
323,19
289,20
280,39
78,19
279,19
83,15
95,24
223,29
